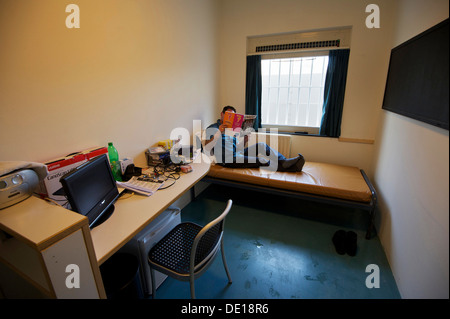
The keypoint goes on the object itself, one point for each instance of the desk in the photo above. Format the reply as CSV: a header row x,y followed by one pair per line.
x,y
131,215
46,237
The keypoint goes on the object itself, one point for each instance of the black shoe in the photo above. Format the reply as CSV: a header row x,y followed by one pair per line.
x,y
286,164
293,164
339,240
350,243
300,163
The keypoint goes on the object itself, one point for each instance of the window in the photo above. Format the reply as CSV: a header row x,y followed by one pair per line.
x,y
287,80
292,92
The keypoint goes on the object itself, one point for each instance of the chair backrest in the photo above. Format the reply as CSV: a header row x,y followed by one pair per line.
x,y
207,241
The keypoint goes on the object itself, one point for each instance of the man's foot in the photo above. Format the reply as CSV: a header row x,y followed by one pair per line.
x,y
300,163
287,163
294,164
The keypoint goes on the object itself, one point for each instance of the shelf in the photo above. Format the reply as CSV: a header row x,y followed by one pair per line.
x,y
24,260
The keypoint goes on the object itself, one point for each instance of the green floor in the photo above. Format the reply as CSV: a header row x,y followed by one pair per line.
x,y
281,248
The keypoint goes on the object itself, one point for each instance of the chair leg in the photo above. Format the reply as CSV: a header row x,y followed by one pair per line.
x,y
152,274
225,262
191,283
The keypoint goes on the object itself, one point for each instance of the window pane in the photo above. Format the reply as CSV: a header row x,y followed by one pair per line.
x,y
315,95
304,95
293,90
274,74
302,114
285,67
282,106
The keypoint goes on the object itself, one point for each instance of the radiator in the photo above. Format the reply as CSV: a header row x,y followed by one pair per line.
x,y
279,142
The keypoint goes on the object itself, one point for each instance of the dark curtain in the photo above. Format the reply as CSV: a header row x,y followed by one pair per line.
x,y
334,92
253,89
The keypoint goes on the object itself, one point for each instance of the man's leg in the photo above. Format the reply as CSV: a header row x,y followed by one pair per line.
x,y
294,164
263,150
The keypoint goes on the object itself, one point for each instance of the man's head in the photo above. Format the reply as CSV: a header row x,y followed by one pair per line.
x,y
229,108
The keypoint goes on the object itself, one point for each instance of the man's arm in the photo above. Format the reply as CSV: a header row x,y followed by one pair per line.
x,y
214,134
214,137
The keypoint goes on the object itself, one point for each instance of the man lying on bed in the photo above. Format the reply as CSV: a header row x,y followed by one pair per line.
x,y
223,142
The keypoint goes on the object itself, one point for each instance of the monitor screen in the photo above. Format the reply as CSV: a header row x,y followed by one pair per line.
x,y
417,82
91,189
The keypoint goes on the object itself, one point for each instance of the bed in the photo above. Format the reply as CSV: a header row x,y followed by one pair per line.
x,y
321,182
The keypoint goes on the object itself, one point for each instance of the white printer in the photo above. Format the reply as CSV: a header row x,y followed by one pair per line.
x,y
18,181
17,186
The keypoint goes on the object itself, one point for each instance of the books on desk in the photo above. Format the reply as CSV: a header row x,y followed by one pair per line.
x,y
140,186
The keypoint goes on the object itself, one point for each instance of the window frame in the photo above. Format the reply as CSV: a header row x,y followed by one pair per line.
x,y
311,130
299,44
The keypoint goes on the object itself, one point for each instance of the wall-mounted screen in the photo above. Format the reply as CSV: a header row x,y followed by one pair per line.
x,y
417,84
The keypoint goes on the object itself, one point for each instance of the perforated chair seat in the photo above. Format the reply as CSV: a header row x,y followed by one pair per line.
x,y
174,250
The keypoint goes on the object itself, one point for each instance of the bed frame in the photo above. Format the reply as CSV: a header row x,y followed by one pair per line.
x,y
369,207
282,143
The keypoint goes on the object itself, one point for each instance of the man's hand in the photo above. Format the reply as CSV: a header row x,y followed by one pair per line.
x,y
222,128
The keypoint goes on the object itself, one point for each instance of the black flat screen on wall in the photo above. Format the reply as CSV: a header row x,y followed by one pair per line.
x,y
417,84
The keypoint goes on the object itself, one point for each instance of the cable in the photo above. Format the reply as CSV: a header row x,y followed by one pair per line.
x,y
167,171
50,200
129,193
124,192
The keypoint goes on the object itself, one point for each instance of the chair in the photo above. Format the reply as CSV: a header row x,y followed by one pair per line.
x,y
187,251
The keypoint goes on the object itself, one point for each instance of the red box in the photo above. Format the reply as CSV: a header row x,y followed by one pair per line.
x,y
63,165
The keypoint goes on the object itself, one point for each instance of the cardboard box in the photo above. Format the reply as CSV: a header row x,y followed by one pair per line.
x,y
61,166
124,164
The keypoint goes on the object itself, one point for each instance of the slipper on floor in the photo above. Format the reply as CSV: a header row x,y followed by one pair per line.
x,y
350,243
339,240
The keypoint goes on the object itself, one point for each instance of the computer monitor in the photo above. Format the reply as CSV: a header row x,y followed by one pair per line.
x,y
91,190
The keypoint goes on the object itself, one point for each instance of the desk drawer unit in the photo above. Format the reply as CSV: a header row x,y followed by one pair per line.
x,y
141,244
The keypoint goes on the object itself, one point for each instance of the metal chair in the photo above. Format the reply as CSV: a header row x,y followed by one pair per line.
x,y
188,250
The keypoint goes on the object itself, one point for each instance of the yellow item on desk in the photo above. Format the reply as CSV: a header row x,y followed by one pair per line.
x,y
167,144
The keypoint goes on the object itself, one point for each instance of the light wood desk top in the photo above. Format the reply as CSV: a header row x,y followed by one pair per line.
x,y
131,215
39,223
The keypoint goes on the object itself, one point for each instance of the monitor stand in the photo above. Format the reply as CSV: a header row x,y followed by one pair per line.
x,y
104,217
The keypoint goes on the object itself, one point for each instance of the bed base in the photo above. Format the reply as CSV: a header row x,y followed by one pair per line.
x,y
370,206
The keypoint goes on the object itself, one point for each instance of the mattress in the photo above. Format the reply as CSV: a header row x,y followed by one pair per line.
x,y
331,180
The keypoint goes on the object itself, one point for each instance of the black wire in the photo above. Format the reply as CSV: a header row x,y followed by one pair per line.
x,y
169,171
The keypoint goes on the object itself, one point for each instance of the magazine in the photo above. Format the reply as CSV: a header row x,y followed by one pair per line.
x,y
249,121
233,120
236,120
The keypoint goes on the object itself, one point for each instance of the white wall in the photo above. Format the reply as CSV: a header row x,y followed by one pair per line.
x,y
368,65
412,179
134,70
